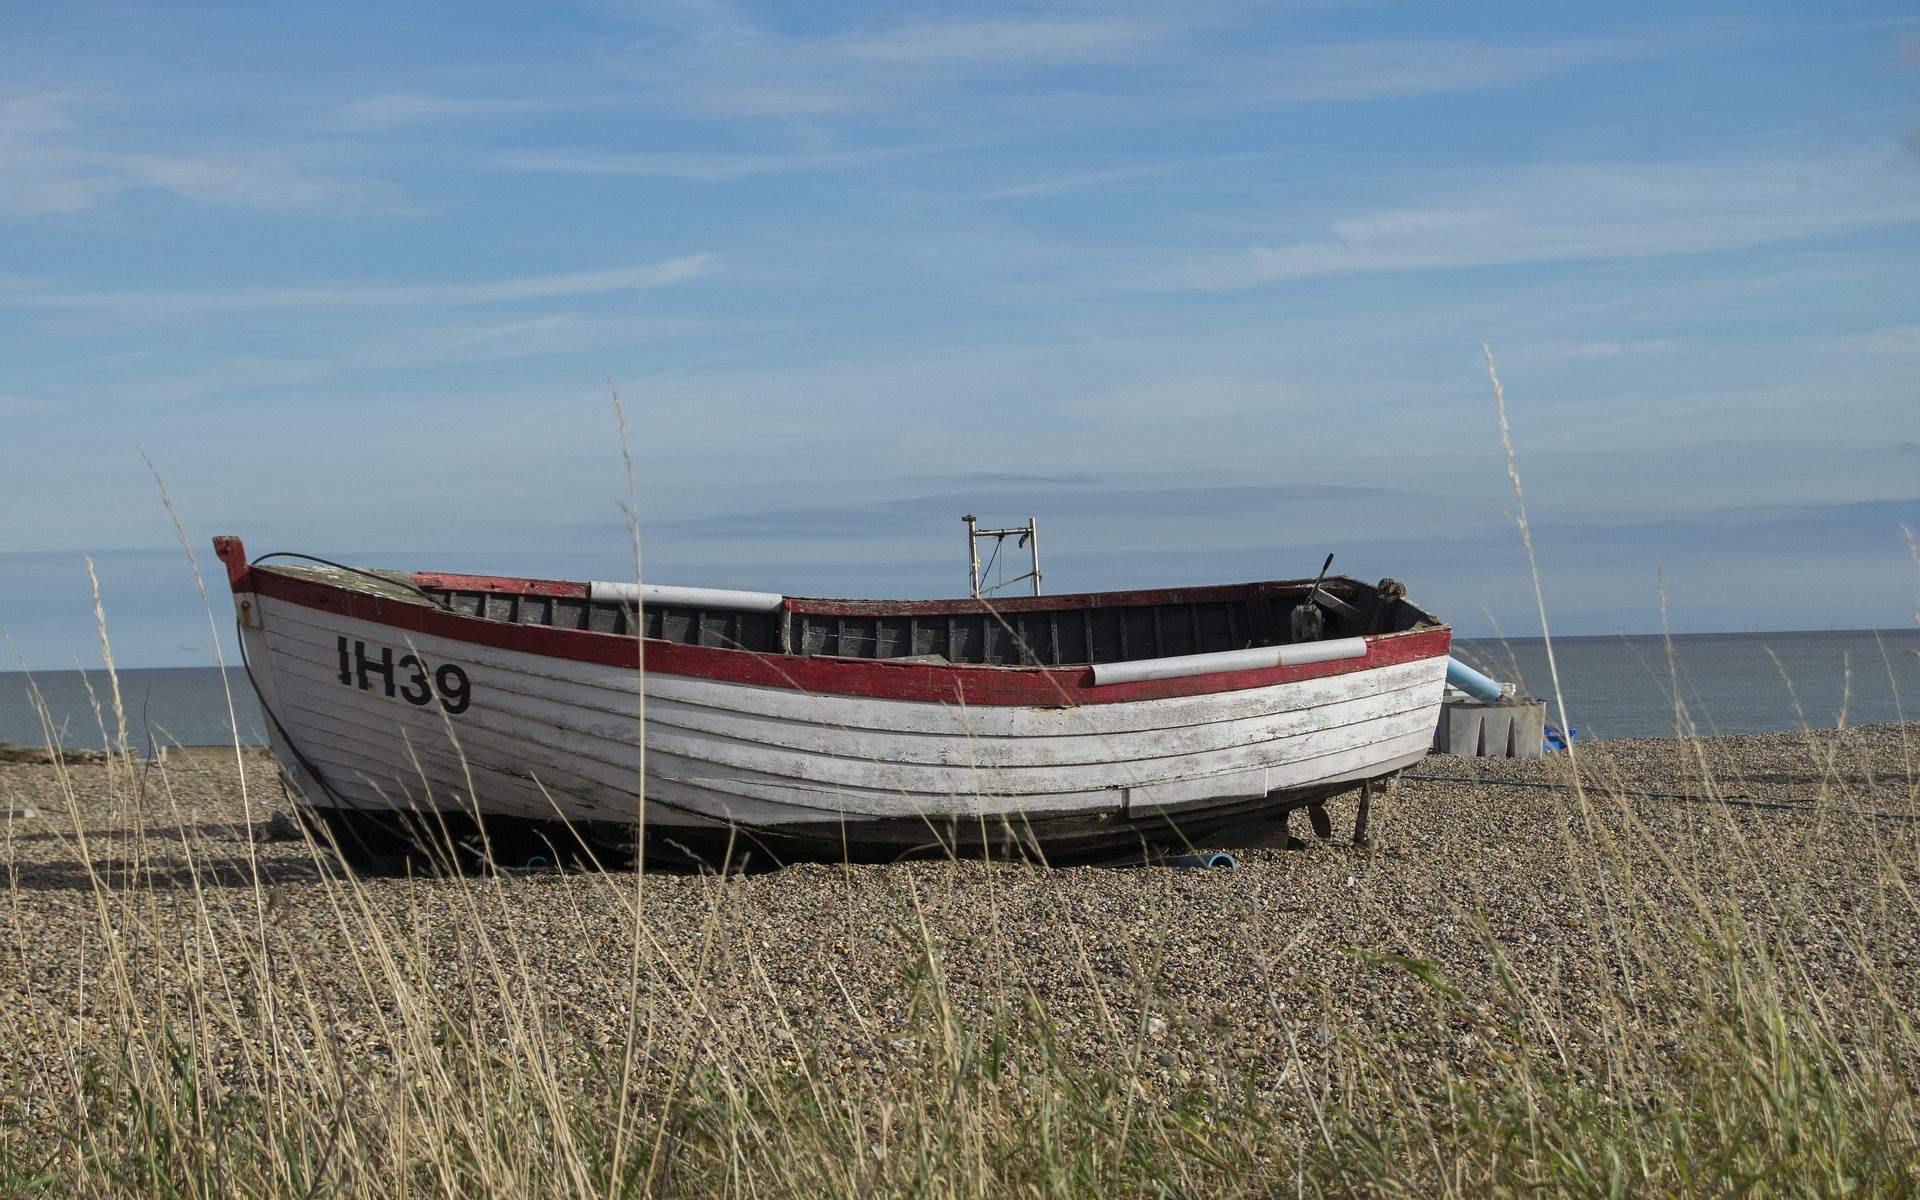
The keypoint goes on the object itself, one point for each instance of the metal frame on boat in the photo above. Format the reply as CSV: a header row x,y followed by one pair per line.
x,y
1083,727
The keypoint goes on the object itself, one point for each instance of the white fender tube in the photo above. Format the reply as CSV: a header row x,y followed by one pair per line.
x,y
687,597
1228,660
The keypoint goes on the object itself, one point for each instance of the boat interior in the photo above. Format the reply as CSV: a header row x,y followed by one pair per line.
x,y
1045,631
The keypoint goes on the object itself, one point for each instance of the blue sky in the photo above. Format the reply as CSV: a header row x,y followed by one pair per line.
x,y
1201,287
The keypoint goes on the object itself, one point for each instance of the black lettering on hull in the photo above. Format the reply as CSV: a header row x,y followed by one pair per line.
x,y
420,684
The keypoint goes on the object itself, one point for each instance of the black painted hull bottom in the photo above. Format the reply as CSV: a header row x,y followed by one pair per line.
x,y
396,839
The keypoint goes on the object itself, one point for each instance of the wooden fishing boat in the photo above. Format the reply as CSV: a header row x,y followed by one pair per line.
x,y
1072,726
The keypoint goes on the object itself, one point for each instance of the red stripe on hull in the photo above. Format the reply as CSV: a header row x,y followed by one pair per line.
x,y
1033,687
945,683
499,583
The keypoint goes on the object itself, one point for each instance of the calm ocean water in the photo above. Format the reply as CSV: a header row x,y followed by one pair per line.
x,y
185,706
1615,687
1645,686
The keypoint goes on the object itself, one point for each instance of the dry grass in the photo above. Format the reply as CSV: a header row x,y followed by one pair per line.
x,y
1576,991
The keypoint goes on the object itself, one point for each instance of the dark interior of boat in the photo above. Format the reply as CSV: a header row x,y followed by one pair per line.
x,y
1028,631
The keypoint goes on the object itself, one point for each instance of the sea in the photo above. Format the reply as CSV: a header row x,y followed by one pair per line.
x,y
1620,686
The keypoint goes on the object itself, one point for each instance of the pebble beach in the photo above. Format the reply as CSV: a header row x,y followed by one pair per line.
x,y
155,892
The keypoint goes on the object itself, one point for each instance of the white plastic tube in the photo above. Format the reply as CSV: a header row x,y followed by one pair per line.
x,y
687,597
1228,660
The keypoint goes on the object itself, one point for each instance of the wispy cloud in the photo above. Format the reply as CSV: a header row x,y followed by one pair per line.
x,y
388,295
51,163
1378,70
1894,341
1119,504
1554,352
703,167
446,347
390,110
719,64
998,44
1909,60
1197,398
1577,211
1062,185
711,60
243,179
25,406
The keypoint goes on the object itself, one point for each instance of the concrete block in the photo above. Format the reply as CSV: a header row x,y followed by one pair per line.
x,y
1475,729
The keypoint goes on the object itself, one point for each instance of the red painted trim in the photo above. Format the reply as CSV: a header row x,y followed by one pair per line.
x,y
1064,602
1030,687
233,553
1044,687
496,583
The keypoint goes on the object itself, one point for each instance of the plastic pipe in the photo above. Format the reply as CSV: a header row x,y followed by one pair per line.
x,y
1258,658
1473,683
1206,860
688,597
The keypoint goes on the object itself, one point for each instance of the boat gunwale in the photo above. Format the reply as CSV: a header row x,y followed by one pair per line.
x,y
824,606
892,679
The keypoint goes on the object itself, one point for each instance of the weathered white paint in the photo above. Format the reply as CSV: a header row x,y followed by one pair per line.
x,y
549,737
692,597
1252,659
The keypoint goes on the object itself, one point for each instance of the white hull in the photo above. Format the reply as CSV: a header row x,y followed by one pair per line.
x,y
547,738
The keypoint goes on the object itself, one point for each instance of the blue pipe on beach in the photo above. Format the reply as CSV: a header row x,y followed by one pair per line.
x,y
1208,860
1472,682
